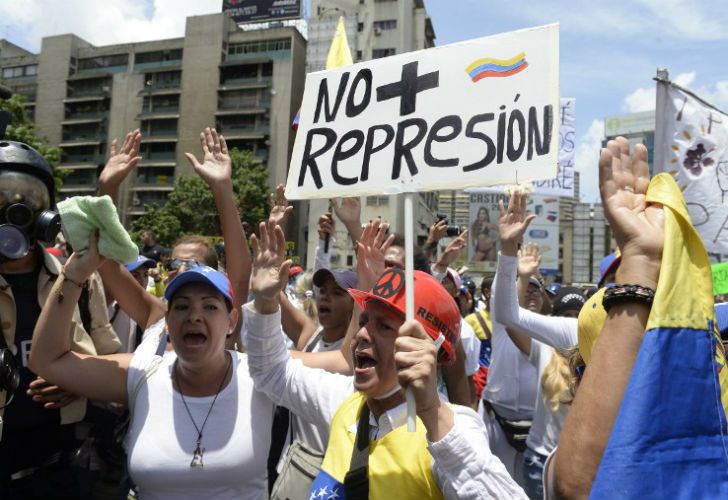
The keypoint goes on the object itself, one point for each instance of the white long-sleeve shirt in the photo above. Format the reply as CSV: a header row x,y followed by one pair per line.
x,y
546,332
462,463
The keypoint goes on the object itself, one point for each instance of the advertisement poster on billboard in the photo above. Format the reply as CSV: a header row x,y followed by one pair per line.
x,y
544,230
483,244
259,11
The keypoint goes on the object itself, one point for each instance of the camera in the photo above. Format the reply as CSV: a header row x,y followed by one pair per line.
x,y
451,230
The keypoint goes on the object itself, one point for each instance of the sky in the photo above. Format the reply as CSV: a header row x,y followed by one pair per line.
x,y
609,50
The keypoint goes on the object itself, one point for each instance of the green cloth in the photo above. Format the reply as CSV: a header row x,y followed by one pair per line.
x,y
82,214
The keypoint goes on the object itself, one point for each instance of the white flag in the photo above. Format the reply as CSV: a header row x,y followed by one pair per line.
x,y
696,154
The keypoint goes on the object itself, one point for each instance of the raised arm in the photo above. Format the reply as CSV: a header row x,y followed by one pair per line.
x,y
311,394
96,377
638,229
120,164
216,171
521,324
349,213
143,307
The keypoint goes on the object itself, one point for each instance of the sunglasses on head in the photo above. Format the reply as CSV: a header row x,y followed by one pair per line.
x,y
175,264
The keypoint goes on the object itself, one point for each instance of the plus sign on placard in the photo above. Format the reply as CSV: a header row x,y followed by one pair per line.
x,y
408,87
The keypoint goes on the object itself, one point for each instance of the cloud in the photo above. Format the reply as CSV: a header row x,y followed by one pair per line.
x,y
586,160
643,99
101,23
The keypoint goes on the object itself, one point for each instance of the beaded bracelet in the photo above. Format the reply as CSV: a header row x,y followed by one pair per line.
x,y
618,293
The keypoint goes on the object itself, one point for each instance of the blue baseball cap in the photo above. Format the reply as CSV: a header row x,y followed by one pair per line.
x,y
202,274
608,264
721,318
345,278
140,261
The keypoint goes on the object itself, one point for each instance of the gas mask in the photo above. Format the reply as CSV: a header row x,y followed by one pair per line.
x,y
24,214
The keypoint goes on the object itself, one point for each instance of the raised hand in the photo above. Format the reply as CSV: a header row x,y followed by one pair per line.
x,y
121,162
436,232
326,225
270,269
80,266
637,225
348,211
371,248
279,207
452,251
513,222
415,356
529,260
216,166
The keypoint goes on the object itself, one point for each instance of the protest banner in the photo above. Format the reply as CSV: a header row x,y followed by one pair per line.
x,y
691,143
720,278
563,183
476,113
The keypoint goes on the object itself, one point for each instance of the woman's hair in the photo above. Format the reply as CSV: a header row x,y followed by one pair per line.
x,y
303,289
555,382
487,214
210,255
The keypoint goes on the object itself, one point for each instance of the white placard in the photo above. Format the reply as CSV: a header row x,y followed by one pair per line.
x,y
563,183
478,113
696,154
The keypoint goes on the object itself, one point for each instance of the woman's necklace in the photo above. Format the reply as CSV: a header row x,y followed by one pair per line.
x,y
199,450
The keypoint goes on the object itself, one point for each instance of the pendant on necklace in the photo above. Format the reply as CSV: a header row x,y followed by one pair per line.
x,y
197,457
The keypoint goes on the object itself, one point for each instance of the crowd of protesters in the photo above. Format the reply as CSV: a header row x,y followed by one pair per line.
x,y
174,375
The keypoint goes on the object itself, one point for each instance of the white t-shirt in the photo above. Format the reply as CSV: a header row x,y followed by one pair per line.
x,y
124,326
162,438
471,346
312,435
547,424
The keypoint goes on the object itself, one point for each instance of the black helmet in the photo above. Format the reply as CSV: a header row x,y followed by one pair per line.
x,y
20,157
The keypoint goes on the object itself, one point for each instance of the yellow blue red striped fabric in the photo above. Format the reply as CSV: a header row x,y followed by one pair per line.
x,y
670,436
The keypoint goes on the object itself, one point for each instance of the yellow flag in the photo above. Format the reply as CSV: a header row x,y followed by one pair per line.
x,y
339,53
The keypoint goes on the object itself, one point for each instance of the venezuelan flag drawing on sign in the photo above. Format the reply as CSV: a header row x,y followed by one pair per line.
x,y
494,68
670,438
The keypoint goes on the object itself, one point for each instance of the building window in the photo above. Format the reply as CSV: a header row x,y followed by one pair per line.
x,y
379,53
358,55
158,56
262,46
389,24
20,71
360,27
103,62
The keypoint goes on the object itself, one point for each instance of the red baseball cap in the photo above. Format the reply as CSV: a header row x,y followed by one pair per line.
x,y
294,271
435,309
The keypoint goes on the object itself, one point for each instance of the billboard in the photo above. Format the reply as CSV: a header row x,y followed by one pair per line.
x,y
257,11
483,244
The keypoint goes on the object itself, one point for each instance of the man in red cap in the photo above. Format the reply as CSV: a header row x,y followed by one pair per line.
x,y
370,453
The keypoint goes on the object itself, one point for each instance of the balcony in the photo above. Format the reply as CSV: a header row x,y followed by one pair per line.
x,y
245,83
157,156
243,131
154,183
174,64
94,113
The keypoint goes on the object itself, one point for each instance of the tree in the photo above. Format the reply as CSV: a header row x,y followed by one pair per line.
x,y
21,129
190,207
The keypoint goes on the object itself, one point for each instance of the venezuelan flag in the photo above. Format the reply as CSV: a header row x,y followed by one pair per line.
x,y
670,438
491,67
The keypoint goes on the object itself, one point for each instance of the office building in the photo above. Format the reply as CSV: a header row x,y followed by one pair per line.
x,y
375,29
248,84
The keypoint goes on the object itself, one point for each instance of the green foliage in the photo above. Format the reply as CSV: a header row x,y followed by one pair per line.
x,y
190,208
21,129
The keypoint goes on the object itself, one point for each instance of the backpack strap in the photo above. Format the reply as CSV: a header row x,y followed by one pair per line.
x,y
356,482
481,321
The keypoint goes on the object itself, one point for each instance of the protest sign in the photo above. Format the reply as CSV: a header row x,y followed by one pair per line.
x,y
563,183
477,113
720,278
691,143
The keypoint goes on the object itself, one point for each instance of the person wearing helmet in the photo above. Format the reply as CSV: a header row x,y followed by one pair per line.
x,y
37,431
366,412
